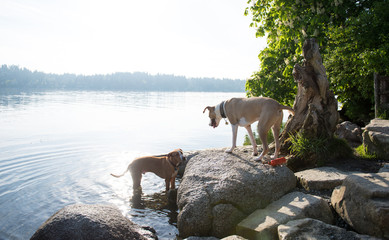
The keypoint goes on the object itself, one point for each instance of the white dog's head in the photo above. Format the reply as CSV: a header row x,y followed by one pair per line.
x,y
214,116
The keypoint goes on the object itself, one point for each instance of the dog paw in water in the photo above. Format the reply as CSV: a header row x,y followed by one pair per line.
x,y
172,196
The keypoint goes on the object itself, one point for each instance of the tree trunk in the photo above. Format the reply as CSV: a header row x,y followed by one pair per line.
x,y
315,105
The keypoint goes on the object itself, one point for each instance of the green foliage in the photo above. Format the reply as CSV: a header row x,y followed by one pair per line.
x,y
319,149
306,148
362,153
359,48
354,41
384,114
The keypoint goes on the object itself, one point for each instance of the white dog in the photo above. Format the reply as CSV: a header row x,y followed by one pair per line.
x,y
245,111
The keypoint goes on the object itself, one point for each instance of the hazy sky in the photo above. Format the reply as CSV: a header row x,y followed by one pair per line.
x,y
194,38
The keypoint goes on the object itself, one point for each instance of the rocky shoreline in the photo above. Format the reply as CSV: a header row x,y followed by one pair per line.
x,y
230,196
303,202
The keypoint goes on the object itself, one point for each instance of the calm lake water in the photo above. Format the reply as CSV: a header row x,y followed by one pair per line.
x,y
59,148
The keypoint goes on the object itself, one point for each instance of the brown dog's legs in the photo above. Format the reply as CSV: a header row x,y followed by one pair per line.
x,y
173,183
136,179
167,183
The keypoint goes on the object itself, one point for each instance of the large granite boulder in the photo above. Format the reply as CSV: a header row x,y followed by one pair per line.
x,y
263,223
219,189
95,222
363,202
376,138
309,228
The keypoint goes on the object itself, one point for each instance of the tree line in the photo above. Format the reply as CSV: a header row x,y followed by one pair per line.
x,y
354,42
14,77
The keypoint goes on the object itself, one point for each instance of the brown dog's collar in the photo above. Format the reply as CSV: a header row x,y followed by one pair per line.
x,y
175,166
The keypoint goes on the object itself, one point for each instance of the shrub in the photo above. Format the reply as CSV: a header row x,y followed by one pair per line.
x,y
318,150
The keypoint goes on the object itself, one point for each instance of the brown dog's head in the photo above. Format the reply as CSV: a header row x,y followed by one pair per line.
x,y
214,117
176,157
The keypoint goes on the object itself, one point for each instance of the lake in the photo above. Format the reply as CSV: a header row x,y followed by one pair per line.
x,y
59,148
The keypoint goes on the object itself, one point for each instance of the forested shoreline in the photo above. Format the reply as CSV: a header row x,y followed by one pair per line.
x,y
14,77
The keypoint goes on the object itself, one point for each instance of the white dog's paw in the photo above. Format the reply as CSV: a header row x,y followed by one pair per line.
x,y
229,151
260,158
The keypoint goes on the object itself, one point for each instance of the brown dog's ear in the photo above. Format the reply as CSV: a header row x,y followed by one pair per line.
x,y
208,108
170,155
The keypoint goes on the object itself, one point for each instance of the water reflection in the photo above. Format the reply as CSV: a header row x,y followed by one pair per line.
x,y
156,201
58,148
158,210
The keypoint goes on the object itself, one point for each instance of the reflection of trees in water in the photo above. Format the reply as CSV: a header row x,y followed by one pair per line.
x,y
162,202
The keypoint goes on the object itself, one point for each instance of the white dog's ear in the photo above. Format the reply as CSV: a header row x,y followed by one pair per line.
x,y
208,108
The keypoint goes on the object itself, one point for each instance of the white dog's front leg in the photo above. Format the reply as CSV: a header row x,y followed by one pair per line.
x,y
252,140
234,135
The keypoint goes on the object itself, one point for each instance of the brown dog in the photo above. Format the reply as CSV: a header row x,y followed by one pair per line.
x,y
165,167
242,112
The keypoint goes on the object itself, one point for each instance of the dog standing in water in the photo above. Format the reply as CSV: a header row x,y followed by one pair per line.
x,y
245,111
165,167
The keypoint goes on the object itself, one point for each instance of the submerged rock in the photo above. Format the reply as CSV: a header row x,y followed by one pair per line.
x,y
95,222
218,190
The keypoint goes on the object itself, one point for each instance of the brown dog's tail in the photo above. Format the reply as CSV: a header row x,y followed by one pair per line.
x,y
282,107
121,175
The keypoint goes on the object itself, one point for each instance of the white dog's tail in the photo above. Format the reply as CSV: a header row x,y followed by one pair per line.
x,y
121,175
282,107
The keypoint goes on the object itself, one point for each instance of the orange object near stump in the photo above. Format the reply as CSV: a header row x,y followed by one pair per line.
x,y
277,161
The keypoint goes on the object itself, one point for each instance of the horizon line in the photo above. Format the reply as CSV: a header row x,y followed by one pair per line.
x,y
112,73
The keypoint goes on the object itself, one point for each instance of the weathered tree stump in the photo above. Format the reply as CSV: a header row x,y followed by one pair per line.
x,y
315,105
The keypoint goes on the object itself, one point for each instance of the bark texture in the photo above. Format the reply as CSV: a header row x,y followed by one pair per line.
x,y
315,105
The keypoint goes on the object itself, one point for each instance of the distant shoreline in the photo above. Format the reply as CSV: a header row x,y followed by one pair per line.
x,y
22,79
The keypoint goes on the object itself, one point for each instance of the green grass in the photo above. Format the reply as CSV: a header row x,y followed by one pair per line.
x,y
320,149
304,147
361,152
